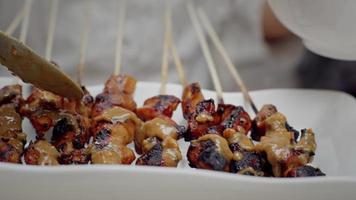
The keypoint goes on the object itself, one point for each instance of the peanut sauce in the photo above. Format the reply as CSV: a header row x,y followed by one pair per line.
x,y
240,138
124,125
171,153
156,127
48,154
221,144
278,143
10,120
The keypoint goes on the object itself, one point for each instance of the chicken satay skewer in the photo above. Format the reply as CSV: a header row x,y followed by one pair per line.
x,y
278,139
221,49
12,139
215,150
41,152
157,146
114,122
206,51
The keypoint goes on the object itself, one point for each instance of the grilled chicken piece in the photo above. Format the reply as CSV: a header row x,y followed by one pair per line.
x,y
192,95
203,117
12,139
118,91
157,142
82,107
280,147
234,117
211,152
157,106
41,152
304,171
258,124
157,152
113,130
44,109
11,94
245,159
204,120
70,134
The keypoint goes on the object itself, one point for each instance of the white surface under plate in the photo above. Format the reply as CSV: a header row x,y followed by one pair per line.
x,y
332,115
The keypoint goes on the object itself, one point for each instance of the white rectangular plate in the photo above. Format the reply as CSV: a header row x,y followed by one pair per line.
x,y
332,115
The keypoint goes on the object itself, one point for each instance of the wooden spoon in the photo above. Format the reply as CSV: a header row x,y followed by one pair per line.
x,y
34,69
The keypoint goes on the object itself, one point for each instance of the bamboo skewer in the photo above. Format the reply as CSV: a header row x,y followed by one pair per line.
x,y
119,36
178,63
24,26
26,20
84,43
176,58
231,67
16,21
166,47
51,28
206,51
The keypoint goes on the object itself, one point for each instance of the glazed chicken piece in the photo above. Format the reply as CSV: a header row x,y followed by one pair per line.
x,y
157,106
157,142
211,152
113,130
69,118
258,124
119,92
11,94
283,152
82,107
41,152
245,159
200,114
234,117
203,117
70,135
12,139
192,95
43,109
304,171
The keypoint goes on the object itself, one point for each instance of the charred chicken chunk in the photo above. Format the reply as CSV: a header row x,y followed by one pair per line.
x,y
245,159
12,139
211,152
82,107
118,91
203,117
113,130
157,106
157,142
70,134
11,94
192,95
282,151
258,124
156,152
41,152
304,171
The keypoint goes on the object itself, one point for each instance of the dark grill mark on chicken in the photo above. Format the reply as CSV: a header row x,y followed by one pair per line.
x,y
305,171
153,157
157,106
204,155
